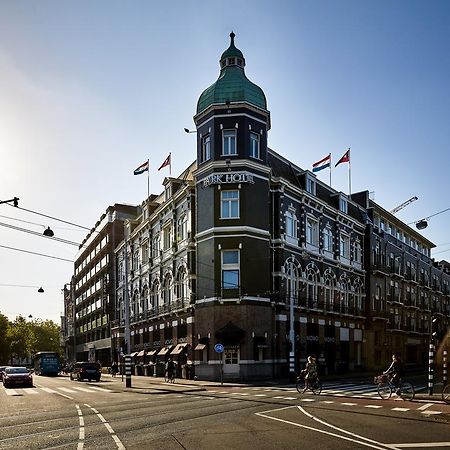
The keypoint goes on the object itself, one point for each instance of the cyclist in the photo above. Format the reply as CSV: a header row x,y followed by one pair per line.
x,y
310,372
396,371
170,370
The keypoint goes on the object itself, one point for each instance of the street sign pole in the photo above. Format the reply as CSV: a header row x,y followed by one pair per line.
x,y
219,349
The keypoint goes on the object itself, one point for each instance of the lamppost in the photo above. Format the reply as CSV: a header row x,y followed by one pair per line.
x,y
433,336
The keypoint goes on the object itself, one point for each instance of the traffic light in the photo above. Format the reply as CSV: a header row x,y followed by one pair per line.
x,y
434,328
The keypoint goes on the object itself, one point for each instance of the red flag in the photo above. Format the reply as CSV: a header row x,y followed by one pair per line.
x,y
345,158
166,162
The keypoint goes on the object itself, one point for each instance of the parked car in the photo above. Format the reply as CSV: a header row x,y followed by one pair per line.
x,y
86,371
2,371
17,376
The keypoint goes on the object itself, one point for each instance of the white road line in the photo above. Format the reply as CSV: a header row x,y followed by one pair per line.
x,y
348,404
346,432
373,406
327,401
64,395
423,445
70,391
279,397
431,412
319,431
401,409
260,395
11,392
423,407
118,442
290,398
99,389
307,400
50,391
82,389
31,391
81,432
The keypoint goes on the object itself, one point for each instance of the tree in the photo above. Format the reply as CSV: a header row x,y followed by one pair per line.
x,y
20,337
4,339
45,336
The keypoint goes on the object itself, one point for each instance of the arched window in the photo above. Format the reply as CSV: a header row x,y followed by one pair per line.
x,y
167,290
292,282
312,286
291,223
144,299
358,297
329,289
154,295
345,291
182,286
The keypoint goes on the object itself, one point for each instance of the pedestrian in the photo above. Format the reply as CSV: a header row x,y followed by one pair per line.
x,y
114,368
170,370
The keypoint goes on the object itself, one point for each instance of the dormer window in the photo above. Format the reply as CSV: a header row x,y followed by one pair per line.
x,y
343,205
310,185
167,192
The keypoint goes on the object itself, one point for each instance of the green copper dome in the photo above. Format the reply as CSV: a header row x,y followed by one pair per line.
x,y
232,84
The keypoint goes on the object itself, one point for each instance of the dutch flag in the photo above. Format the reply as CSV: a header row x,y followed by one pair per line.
x,y
142,168
322,164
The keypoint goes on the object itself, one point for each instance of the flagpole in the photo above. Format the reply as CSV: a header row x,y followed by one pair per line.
x,y
330,169
170,163
148,179
349,173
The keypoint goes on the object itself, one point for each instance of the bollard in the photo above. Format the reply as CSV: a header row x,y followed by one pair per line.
x,y
444,369
430,369
128,371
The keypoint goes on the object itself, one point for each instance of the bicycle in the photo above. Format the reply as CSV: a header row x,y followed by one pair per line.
x,y
385,387
446,393
315,385
169,378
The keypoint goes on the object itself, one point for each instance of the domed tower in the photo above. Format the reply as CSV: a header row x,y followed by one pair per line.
x,y
233,221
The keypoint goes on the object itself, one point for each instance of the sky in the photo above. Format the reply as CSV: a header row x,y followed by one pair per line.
x,y
90,90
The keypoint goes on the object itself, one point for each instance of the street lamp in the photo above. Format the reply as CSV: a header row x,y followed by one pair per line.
x,y
48,232
187,130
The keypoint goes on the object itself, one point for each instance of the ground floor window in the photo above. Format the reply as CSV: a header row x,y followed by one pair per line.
x,y
231,356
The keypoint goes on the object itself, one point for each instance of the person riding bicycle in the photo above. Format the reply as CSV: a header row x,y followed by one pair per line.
x,y
310,372
395,370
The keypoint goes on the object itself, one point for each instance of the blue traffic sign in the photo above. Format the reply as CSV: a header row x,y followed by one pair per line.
x,y
218,348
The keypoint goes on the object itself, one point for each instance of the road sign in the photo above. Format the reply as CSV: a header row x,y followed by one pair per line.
x,y
218,348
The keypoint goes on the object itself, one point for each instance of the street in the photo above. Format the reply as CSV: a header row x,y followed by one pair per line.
x,y
59,413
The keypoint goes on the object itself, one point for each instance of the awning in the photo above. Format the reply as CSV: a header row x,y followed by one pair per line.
x,y
164,350
178,349
133,354
151,352
141,353
200,347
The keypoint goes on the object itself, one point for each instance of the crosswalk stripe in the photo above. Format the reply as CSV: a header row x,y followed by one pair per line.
x,y
373,406
50,391
11,392
82,389
66,390
31,391
99,389
400,409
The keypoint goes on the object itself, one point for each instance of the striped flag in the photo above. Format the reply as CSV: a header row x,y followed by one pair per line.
x,y
142,168
322,164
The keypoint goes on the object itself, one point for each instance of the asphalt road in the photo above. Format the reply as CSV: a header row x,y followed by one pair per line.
x,y
58,413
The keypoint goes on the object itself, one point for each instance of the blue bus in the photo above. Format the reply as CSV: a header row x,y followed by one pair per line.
x,y
46,363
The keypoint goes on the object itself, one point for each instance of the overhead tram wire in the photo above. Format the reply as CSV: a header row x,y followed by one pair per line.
x,y
36,233
36,253
427,218
50,217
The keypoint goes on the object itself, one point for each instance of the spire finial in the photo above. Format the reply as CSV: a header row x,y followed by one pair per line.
x,y
232,36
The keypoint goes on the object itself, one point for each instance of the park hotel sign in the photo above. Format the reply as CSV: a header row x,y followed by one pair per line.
x,y
228,178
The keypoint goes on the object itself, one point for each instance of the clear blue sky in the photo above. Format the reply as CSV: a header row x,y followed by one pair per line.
x,y
90,90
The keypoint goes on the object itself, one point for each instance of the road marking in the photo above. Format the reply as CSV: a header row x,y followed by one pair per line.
x,y
31,391
116,439
367,444
260,395
307,400
11,392
70,391
81,432
99,389
290,398
431,412
327,401
50,391
423,444
423,407
82,389
348,404
373,406
64,395
279,397
401,409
